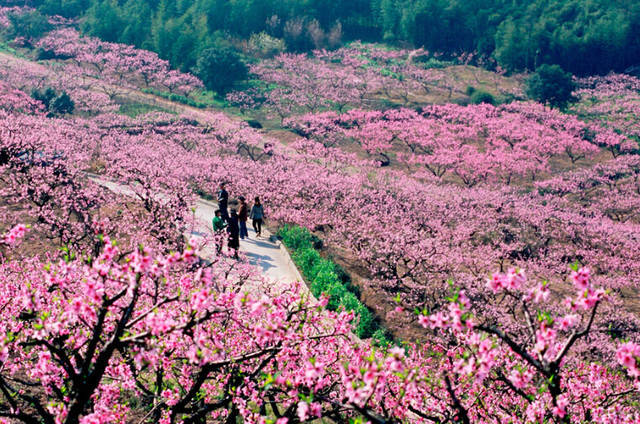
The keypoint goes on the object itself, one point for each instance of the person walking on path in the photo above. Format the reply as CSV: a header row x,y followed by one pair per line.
x,y
234,233
223,201
218,227
257,216
243,214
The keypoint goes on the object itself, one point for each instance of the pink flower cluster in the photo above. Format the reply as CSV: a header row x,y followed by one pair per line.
x,y
13,236
628,355
513,280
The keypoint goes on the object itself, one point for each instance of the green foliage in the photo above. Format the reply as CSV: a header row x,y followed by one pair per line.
x,y
136,109
104,20
433,63
325,277
481,96
179,98
295,237
264,45
30,25
56,104
584,37
381,338
219,68
45,96
65,8
62,105
306,258
551,85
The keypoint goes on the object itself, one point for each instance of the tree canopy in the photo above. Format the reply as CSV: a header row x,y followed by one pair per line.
x,y
551,85
582,36
219,68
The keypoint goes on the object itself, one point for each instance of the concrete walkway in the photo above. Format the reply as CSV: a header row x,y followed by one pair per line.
x,y
266,253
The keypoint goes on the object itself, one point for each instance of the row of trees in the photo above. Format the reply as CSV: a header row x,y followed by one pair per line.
x,y
141,328
219,66
583,37
113,330
595,37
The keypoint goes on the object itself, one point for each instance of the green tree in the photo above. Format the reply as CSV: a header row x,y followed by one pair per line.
x,y
389,15
62,105
219,68
45,97
513,47
66,8
137,15
56,104
551,85
104,21
30,25
582,36
481,96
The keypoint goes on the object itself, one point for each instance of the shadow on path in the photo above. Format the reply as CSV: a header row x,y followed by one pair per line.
x,y
263,261
260,243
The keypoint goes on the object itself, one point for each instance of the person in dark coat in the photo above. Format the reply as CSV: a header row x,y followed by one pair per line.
x,y
223,202
233,229
243,215
257,216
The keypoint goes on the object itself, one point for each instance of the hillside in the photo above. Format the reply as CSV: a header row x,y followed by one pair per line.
x,y
595,37
468,254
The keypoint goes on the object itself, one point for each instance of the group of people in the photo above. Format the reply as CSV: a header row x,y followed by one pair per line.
x,y
235,222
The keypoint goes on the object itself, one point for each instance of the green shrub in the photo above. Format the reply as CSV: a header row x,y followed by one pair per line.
x,y
56,104
45,96
433,63
461,101
480,96
323,266
381,338
220,67
62,105
350,302
336,293
306,259
366,323
326,277
341,273
551,85
316,242
296,237
317,287
346,280
254,123
30,25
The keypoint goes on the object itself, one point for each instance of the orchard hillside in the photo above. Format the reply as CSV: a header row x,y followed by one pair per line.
x,y
455,184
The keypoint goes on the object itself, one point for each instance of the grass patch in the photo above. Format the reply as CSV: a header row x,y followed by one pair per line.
x,y
5,48
202,100
134,110
326,277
